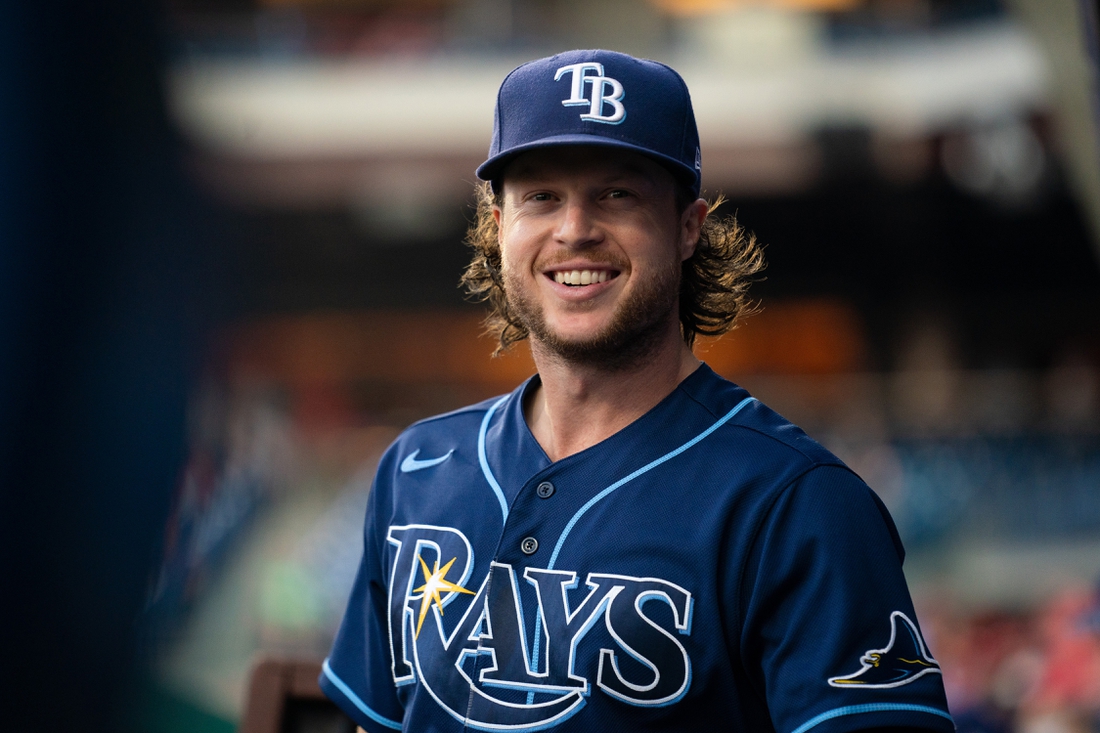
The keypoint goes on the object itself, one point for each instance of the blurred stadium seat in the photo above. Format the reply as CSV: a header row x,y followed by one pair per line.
x,y
283,697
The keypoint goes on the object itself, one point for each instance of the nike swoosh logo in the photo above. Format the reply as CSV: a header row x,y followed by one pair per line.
x,y
410,463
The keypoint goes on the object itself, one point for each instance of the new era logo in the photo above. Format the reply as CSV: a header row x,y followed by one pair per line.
x,y
606,92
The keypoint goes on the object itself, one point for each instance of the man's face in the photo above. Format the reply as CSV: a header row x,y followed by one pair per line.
x,y
591,248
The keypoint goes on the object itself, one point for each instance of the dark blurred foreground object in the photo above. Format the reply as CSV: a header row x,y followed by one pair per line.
x,y
94,330
283,697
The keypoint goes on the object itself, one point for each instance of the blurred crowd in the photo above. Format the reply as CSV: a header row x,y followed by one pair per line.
x,y
1033,671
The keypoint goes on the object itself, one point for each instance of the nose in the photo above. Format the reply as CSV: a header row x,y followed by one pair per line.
x,y
579,224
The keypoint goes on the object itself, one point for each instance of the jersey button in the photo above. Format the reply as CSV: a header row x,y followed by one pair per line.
x,y
529,545
545,490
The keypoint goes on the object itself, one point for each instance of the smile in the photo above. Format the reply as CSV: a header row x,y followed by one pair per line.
x,y
582,277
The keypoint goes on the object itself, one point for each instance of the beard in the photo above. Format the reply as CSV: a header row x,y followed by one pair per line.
x,y
636,330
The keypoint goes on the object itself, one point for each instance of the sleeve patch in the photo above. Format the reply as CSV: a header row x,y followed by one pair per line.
x,y
904,658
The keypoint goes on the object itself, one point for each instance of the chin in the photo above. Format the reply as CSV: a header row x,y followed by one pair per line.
x,y
579,331
619,346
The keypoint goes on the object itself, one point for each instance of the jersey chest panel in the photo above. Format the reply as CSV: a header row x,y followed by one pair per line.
x,y
623,601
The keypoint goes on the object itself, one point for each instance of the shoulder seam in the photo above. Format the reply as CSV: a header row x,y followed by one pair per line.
x,y
480,407
698,402
741,594
732,424
740,609
813,461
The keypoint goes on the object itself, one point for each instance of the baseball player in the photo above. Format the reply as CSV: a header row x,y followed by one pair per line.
x,y
627,541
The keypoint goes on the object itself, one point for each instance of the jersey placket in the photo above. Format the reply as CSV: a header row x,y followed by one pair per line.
x,y
526,541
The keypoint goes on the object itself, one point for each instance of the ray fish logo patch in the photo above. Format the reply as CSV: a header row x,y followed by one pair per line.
x,y
904,659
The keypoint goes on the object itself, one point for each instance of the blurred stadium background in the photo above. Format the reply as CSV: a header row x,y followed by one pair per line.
x,y
925,175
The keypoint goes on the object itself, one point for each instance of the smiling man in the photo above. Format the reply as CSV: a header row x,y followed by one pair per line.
x,y
626,542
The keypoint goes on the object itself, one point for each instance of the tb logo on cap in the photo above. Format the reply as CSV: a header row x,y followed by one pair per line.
x,y
605,91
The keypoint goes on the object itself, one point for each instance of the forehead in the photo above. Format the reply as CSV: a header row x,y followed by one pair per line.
x,y
579,163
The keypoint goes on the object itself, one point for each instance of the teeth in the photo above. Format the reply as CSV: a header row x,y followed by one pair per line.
x,y
580,277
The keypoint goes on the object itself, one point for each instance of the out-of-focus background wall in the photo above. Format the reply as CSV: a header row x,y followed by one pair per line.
x,y
102,273
925,175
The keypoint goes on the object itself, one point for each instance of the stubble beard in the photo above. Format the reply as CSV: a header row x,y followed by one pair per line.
x,y
637,328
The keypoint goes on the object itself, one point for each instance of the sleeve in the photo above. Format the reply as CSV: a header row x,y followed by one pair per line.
x,y
357,674
829,636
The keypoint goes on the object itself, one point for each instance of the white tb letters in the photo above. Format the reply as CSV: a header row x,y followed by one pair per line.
x,y
605,91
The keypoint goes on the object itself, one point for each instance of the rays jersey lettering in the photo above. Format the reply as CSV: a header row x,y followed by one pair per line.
x,y
605,91
478,661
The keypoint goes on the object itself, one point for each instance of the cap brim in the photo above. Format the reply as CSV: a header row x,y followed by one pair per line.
x,y
491,169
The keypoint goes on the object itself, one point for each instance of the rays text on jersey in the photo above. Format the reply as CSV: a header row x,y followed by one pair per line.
x,y
485,668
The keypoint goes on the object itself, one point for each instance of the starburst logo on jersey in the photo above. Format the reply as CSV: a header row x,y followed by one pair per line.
x,y
434,582
904,659
491,668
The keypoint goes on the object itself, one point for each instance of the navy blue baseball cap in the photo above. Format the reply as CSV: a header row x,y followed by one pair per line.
x,y
596,98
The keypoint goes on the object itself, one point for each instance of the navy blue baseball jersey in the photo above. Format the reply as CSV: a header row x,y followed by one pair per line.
x,y
707,568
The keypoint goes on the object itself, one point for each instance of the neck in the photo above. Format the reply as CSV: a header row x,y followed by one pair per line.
x,y
579,405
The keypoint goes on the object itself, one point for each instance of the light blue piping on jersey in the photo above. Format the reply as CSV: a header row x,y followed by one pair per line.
x,y
485,461
644,469
355,700
868,708
591,502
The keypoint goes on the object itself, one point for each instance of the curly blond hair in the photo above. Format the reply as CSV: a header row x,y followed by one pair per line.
x,y
714,281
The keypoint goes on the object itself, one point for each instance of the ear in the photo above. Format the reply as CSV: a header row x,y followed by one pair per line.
x,y
691,224
498,214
